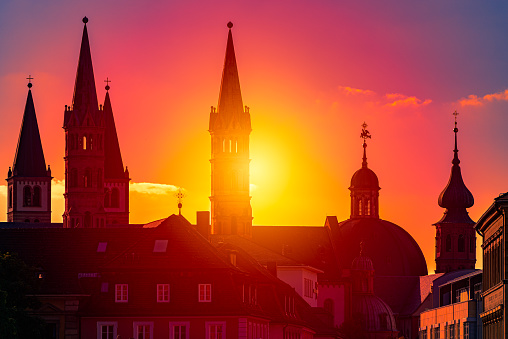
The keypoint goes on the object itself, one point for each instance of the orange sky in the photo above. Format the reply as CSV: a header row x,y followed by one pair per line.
x,y
310,73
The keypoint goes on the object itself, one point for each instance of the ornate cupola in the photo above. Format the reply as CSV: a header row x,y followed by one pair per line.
x,y
29,181
455,235
364,186
229,129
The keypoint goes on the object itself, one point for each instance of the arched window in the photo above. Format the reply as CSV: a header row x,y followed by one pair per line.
x,y
367,207
84,141
74,177
90,142
37,196
99,178
107,198
472,244
115,197
27,196
461,243
88,219
448,243
236,145
10,197
360,207
328,306
223,145
230,142
87,178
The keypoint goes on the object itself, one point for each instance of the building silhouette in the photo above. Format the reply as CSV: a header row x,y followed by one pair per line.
x,y
96,185
29,181
455,233
229,129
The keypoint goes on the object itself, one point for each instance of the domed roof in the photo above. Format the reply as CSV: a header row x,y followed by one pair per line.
x,y
362,263
392,250
364,178
374,314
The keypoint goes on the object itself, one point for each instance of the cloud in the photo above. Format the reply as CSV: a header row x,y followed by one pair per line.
x,y
350,90
153,188
3,191
57,189
474,100
401,100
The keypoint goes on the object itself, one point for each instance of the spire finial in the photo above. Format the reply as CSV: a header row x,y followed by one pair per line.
x,y
456,160
365,135
29,81
230,25
85,20
107,81
180,195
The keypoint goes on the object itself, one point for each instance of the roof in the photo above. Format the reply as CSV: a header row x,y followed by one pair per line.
x,y
113,165
29,159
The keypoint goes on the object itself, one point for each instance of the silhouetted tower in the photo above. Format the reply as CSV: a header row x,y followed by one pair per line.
x,y
84,126
116,178
364,186
29,182
455,234
230,128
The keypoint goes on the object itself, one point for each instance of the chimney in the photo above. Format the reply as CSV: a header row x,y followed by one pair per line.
x,y
203,223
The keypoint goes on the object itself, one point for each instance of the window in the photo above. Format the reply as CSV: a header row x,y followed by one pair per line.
x,y
461,295
84,142
160,246
106,330
308,288
115,197
205,293
37,196
452,331
448,243
461,243
437,332
472,240
121,293
424,334
99,178
179,330
162,293
74,177
101,247
107,198
466,330
328,306
216,330
87,178
88,219
10,197
27,196
143,330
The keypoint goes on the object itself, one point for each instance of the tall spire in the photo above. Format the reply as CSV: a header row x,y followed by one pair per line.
x,y
29,159
456,197
85,94
113,165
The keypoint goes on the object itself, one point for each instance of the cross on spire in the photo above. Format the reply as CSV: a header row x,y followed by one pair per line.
x,y
29,81
180,195
107,81
455,114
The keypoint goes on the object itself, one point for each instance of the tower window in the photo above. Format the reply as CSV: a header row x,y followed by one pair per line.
x,y
461,243
448,243
88,219
236,145
87,178
74,177
107,198
37,196
10,197
360,207
99,178
84,142
27,196
115,197
223,145
472,244
230,142
90,142
367,212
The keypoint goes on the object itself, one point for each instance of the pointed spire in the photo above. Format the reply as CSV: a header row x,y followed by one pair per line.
x,y
365,135
85,94
113,165
456,197
230,106
29,159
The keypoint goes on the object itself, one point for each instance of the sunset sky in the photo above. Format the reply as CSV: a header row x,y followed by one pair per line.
x,y
311,72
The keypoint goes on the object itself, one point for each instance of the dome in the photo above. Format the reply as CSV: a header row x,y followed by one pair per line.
x,y
362,263
364,178
375,315
392,250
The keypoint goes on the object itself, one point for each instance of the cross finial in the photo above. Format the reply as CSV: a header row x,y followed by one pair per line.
x,y
455,114
180,195
107,81
29,81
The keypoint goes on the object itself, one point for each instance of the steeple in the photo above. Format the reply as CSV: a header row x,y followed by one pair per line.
x,y
229,129
456,197
85,95
113,165
29,159
455,234
364,186
29,182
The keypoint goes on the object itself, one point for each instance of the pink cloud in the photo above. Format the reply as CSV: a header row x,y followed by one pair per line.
x,y
405,101
474,100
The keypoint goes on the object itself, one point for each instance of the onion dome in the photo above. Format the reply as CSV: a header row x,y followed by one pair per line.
x,y
456,197
364,178
362,262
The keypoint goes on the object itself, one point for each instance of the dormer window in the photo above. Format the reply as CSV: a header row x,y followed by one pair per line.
x,y
160,246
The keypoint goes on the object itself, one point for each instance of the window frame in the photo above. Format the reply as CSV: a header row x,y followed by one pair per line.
x,y
208,326
107,323
137,324
161,297
205,297
173,324
121,287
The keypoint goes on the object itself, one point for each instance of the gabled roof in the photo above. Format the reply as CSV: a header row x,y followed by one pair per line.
x,y
29,159
113,165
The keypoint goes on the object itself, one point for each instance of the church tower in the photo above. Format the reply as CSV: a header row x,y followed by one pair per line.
x,y
116,179
455,234
364,186
29,182
230,128
84,127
